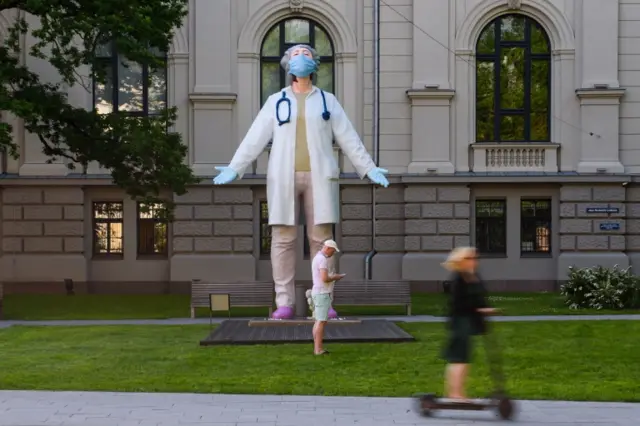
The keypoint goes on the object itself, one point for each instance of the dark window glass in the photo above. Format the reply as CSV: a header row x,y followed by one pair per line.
x,y
129,86
107,228
265,230
535,226
152,230
513,81
284,35
491,226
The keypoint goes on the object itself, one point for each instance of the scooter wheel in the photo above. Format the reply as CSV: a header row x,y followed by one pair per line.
x,y
427,404
506,408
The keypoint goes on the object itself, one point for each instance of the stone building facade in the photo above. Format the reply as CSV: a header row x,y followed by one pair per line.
x,y
511,125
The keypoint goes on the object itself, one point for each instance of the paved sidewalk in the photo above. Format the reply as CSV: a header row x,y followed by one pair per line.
x,y
416,318
123,409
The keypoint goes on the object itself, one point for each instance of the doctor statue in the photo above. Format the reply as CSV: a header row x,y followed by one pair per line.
x,y
301,121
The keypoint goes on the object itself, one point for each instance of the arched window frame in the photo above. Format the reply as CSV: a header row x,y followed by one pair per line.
x,y
284,45
495,57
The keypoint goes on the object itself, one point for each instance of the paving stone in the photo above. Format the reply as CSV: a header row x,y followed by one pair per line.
x,y
136,409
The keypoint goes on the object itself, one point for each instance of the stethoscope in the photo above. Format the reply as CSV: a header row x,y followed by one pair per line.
x,y
326,115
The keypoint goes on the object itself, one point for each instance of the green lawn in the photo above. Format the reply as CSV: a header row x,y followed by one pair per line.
x,y
544,360
62,307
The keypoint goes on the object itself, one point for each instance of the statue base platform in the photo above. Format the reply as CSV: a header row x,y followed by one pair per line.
x,y
261,331
270,322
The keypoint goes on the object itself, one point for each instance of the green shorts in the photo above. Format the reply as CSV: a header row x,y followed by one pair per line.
x,y
321,305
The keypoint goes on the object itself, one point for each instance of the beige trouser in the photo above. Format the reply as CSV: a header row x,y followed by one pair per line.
x,y
283,242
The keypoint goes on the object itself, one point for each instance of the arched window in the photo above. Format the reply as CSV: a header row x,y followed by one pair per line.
x,y
282,36
513,81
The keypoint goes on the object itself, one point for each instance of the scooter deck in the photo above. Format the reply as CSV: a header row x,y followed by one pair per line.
x,y
436,403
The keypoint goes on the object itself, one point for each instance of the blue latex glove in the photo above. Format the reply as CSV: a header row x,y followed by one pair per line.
x,y
227,174
377,176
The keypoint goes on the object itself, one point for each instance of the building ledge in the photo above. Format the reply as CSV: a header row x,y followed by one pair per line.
x,y
593,93
430,93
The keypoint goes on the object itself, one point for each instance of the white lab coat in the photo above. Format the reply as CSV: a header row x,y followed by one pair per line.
x,y
281,169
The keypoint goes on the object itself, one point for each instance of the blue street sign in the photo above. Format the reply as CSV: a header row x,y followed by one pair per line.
x,y
603,210
609,226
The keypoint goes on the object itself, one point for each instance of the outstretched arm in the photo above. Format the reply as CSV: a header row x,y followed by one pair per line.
x,y
349,141
256,140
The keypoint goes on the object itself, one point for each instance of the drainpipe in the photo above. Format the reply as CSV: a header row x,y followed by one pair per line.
x,y
376,132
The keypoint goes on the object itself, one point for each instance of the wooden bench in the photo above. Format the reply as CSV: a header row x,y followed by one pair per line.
x,y
373,293
241,295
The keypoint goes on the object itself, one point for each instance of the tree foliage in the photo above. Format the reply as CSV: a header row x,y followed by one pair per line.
x,y
144,158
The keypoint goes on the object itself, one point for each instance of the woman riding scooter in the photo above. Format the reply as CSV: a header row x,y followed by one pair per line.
x,y
467,308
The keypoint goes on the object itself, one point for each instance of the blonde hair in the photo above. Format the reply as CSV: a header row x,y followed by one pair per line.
x,y
457,255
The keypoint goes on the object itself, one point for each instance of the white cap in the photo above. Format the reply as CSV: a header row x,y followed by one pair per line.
x,y
332,244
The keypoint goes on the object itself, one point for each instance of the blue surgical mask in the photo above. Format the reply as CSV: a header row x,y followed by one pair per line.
x,y
302,66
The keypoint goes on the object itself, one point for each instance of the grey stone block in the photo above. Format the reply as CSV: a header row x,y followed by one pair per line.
x,y
459,226
356,194
593,242
575,226
412,211
356,227
567,242
243,212
412,243
633,226
462,211
462,240
356,211
633,193
437,210
222,244
575,193
213,212
617,242
243,244
633,210
453,193
437,243
182,245
236,228
633,243
390,211
233,195
183,212
420,227
11,212
388,243
355,244
392,194
195,196
390,227
192,228
567,210
420,194
609,193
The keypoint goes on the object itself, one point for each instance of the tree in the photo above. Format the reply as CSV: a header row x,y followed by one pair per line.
x,y
143,156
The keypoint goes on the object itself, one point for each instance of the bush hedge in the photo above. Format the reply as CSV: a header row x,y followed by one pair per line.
x,y
601,288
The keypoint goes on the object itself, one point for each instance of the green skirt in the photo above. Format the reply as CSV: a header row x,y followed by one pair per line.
x,y
458,347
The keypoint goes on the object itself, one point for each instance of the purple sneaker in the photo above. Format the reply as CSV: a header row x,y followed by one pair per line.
x,y
332,314
283,312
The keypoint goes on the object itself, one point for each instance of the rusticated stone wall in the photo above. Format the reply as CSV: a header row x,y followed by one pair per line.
x,y
216,220
437,217
356,220
580,231
40,221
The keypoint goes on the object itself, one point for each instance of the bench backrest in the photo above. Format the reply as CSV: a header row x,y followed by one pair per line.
x,y
372,292
240,294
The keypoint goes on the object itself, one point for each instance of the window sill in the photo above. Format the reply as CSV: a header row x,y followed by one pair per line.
x,y
535,255
154,256
492,256
108,257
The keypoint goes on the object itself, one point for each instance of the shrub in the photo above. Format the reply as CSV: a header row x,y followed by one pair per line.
x,y
601,288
